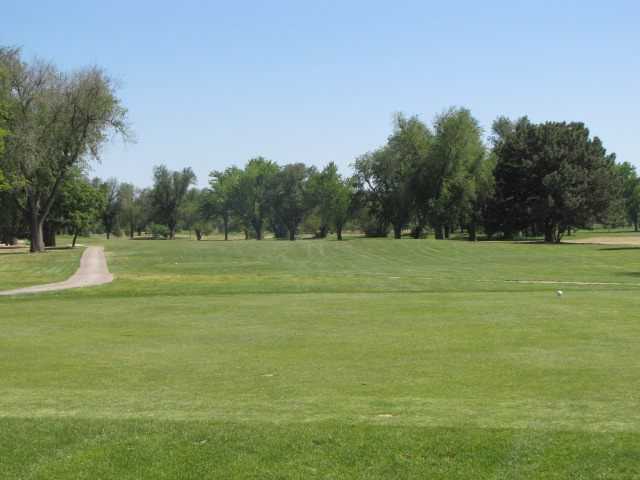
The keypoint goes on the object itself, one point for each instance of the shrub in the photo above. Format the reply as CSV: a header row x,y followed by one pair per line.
x,y
160,231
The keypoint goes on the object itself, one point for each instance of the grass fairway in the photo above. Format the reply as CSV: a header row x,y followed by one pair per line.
x,y
324,359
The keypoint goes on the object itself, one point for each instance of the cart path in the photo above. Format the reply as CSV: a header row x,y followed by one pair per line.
x,y
93,271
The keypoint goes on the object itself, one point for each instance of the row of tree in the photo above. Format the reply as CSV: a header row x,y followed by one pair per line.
x,y
533,179
527,179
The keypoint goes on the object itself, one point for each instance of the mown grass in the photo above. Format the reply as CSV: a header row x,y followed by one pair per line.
x,y
325,359
19,268
158,449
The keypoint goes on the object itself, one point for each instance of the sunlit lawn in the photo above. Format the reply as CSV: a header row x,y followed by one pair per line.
x,y
325,359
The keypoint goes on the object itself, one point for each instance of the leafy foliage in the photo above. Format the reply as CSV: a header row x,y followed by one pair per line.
x,y
79,205
251,194
552,177
288,195
223,199
111,205
169,191
194,213
332,198
386,175
58,122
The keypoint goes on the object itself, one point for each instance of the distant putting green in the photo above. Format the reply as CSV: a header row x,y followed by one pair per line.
x,y
368,358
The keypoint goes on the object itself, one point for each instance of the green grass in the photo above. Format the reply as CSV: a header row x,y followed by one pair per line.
x,y
324,359
18,268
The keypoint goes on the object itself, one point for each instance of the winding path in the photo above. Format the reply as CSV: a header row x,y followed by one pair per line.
x,y
93,271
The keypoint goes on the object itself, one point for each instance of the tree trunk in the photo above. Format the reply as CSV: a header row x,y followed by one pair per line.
x,y
552,233
446,231
132,229
548,232
37,241
557,235
75,237
473,235
322,233
292,234
339,231
246,234
226,228
48,234
439,232
635,225
397,232
257,227
198,235
108,234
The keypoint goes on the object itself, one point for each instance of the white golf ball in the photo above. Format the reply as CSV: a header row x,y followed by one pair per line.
x,y
559,293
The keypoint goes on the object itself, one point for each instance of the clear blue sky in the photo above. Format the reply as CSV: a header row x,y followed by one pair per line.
x,y
210,84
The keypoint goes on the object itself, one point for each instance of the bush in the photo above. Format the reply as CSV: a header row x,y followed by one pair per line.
x,y
159,231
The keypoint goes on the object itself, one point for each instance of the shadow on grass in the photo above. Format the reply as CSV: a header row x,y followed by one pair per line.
x,y
14,252
25,250
223,240
628,274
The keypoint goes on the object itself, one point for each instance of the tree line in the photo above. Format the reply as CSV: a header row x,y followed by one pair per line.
x,y
531,179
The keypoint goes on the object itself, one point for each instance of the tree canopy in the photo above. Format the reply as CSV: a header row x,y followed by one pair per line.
x,y
439,177
169,190
56,121
551,177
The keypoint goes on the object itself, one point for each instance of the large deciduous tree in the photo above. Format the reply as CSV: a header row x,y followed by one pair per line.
x,y
194,214
410,144
78,206
169,191
252,193
332,198
387,175
223,198
454,164
288,196
111,205
395,180
56,122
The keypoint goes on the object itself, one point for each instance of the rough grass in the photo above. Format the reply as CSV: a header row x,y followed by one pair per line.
x,y
325,359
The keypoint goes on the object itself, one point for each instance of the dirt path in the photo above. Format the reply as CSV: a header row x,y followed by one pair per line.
x,y
93,271
610,240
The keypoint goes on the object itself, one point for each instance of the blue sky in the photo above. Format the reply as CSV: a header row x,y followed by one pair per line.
x,y
211,84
